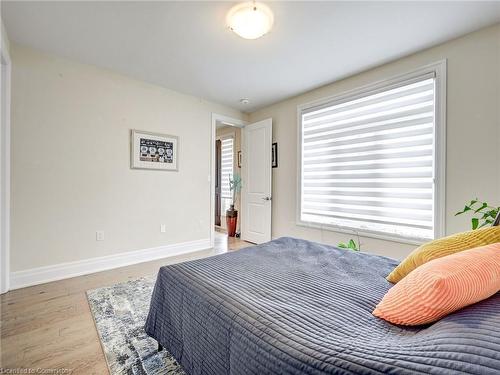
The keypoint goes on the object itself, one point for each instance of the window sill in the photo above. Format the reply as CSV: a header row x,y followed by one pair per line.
x,y
363,233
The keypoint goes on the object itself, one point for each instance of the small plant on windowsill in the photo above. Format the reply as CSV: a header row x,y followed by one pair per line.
x,y
483,214
351,245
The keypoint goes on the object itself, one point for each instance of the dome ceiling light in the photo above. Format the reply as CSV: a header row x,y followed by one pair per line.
x,y
250,20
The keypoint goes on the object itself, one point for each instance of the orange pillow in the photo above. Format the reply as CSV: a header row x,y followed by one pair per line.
x,y
443,286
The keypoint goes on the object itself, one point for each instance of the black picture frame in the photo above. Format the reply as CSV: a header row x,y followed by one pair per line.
x,y
274,153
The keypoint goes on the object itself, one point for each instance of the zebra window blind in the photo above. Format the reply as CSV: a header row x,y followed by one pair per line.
x,y
367,162
227,155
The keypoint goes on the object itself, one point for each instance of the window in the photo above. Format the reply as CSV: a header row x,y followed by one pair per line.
x,y
227,155
369,159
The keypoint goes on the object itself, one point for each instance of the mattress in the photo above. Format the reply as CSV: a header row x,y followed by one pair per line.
x,y
292,306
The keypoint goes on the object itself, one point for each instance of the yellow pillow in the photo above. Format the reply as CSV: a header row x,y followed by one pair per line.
x,y
442,247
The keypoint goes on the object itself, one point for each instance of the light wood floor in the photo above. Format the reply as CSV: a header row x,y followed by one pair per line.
x,y
50,326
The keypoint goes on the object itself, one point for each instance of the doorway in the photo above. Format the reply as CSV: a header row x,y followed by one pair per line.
x,y
225,140
227,177
253,202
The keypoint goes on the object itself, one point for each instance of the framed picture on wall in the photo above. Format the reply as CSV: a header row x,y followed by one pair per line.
x,y
154,151
275,155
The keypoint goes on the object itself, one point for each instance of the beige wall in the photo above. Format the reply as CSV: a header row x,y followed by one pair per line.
x,y
473,134
71,155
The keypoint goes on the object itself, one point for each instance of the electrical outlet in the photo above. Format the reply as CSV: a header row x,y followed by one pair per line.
x,y
99,235
163,228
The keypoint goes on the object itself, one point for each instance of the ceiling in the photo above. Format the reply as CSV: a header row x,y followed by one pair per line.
x,y
186,47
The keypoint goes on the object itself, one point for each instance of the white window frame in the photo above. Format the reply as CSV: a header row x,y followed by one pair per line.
x,y
439,69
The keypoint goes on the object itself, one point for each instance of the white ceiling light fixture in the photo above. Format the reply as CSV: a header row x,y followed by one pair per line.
x,y
250,20
245,101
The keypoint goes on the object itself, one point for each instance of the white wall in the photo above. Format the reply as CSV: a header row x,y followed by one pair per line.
x,y
473,134
71,169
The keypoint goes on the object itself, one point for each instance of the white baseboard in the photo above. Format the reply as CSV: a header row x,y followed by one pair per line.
x,y
40,275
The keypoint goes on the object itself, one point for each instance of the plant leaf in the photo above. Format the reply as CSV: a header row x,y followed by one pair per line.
x,y
486,222
352,244
483,206
466,208
485,215
475,223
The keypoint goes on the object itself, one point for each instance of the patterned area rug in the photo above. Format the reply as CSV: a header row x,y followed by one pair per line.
x,y
120,312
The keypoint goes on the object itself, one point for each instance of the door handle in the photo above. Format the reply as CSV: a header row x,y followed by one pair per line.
x,y
267,198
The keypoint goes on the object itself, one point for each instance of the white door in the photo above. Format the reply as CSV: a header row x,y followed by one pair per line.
x,y
256,181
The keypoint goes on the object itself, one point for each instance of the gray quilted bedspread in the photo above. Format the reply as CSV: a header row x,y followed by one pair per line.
x,y
296,307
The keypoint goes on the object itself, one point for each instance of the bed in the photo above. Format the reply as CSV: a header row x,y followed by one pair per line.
x,y
292,306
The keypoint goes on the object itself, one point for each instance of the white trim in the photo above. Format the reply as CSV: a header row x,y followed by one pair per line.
x,y
382,84
41,275
5,168
440,149
217,119
439,69
225,136
229,121
361,233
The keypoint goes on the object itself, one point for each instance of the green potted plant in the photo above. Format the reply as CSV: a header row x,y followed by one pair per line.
x,y
482,213
232,213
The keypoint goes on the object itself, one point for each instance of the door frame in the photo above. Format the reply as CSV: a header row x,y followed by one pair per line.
x,y
220,138
5,96
217,119
217,180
